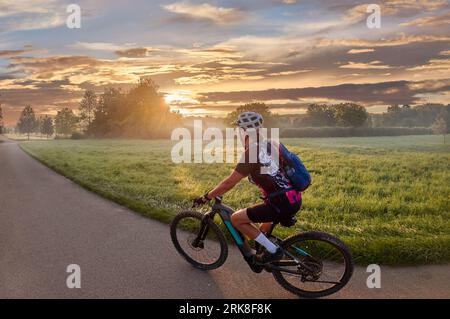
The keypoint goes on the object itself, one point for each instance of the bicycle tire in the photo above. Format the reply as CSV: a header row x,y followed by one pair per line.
x,y
338,244
212,227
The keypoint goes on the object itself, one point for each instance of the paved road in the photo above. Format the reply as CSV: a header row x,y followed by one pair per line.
x,y
47,222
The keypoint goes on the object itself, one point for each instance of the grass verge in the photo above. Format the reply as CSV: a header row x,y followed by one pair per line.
x,y
387,198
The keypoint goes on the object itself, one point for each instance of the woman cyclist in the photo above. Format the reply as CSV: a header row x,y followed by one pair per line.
x,y
281,201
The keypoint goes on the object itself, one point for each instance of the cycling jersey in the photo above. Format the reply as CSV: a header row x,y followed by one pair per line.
x,y
281,201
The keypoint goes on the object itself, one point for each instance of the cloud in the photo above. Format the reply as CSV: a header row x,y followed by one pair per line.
x,y
14,7
395,92
359,12
403,39
431,21
12,53
287,73
357,51
43,97
96,46
30,15
53,63
365,66
205,11
434,64
416,5
133,52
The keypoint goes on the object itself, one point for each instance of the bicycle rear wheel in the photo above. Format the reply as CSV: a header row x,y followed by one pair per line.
x,y
205,252
315,265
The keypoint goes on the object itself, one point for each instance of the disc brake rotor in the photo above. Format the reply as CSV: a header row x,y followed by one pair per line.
x,y
190,241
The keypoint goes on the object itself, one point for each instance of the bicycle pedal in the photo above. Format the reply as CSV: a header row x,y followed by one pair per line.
x,y
256,268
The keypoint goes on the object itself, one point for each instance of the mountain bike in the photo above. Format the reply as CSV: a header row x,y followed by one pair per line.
x,y
315,264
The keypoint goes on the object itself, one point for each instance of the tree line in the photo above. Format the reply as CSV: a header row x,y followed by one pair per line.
x,y
412,116
28,123
320,115
140,112
354,115
348,119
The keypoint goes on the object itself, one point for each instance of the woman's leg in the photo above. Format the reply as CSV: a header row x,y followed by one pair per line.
x,y
241,221
266,227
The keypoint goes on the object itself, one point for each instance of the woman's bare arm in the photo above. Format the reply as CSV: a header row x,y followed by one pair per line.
x,y
226,185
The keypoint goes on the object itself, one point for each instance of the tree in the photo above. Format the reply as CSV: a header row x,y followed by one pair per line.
x,y
65,122
321,115
140,112
257,107
47,128
350,114
145,112
1,119
27,121
87,108
39,122
108,112
440,125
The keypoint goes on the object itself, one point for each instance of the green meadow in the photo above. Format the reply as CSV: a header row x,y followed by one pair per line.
x,y
388,198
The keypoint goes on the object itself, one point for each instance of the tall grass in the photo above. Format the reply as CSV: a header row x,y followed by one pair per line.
x,y
387,198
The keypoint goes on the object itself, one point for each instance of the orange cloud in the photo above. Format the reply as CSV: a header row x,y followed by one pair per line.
x,y
429,21
370,65
357,51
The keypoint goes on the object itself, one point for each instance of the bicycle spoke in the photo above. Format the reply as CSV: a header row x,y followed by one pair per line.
x,y
204,252
320,265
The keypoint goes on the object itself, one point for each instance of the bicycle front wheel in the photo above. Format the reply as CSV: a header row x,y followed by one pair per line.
x,y
199,240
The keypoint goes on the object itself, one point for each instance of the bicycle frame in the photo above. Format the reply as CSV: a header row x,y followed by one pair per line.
x,y
225,213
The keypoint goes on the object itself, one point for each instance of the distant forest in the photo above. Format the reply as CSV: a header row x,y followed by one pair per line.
x,y
349,119
395,116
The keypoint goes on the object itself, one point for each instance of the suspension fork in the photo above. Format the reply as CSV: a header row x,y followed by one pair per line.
x,y
204,228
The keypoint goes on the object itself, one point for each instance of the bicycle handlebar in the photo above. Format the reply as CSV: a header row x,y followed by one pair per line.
x,y
218,200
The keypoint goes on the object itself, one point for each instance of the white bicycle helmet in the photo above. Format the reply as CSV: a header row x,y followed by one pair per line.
x,y
249,120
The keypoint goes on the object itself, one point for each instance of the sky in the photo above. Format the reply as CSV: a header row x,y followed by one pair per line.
x,y
208,57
